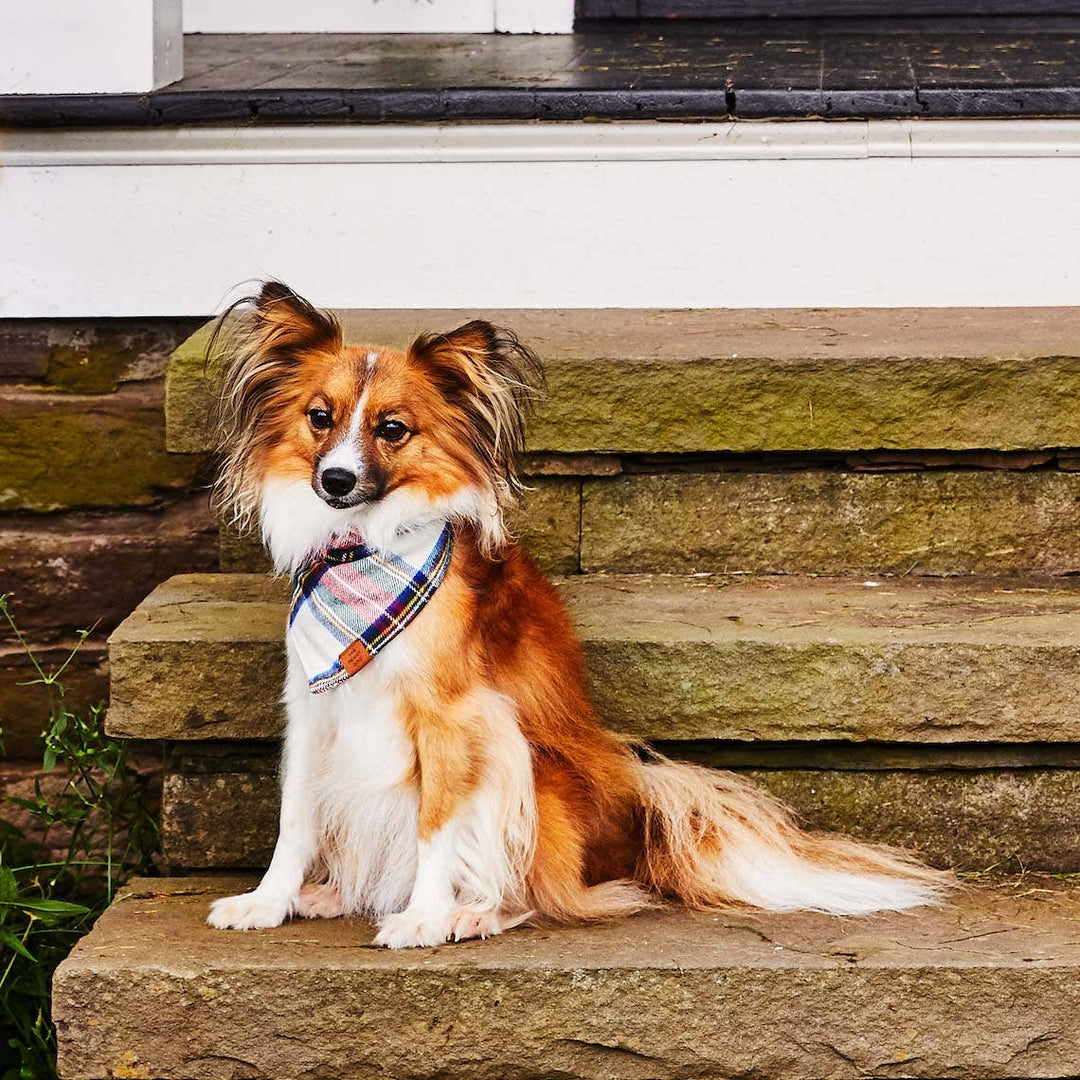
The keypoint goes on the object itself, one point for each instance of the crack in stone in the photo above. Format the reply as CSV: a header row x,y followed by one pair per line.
x,y
1033,1045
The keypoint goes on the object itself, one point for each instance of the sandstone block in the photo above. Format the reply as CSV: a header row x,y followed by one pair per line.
x,y
220,813
60,451
927,660
90,356
645,381
78,570
987,988
821,522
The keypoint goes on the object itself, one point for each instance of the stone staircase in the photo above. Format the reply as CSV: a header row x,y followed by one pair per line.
x,y
833,550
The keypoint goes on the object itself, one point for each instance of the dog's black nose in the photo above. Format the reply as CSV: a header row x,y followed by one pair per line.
x,y
338,482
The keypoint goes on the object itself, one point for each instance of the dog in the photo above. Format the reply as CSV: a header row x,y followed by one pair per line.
x,y
443,772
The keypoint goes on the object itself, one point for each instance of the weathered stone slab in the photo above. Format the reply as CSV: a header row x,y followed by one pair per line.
x,y
80,570
221,813
59,451
242,552
24,703
822,522
644,381
986,988
179,660
220,819
770,659
971,820
90,356
547,523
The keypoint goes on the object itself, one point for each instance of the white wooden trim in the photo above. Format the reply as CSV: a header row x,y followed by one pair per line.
x,y
386,144
591,215
378,16
89,46
534,16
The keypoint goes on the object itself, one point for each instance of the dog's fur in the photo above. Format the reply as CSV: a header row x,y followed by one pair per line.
x,y
460,784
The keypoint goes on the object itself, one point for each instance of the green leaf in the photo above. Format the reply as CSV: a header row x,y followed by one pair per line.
x,y
9,887
12,942
46,907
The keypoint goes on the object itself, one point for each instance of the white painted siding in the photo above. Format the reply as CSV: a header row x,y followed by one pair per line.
x,y
378,16
755,215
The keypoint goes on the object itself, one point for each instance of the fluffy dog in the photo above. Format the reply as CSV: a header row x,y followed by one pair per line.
x,y
443,771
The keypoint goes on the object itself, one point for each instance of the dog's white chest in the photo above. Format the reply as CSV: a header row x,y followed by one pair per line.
x,y
362,790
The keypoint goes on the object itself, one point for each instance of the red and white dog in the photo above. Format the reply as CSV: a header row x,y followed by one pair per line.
x,y
458,783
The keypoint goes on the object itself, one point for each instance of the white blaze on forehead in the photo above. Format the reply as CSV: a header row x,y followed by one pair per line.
x,y
372,356
346,452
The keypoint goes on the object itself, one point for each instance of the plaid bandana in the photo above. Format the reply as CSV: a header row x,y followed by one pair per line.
x,y
350,602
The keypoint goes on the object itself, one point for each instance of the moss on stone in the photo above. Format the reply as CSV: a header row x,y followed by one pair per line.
x,y
96,369
59,451
700,381
820,522
188,395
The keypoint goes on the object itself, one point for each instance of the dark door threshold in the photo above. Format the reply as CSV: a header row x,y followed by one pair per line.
x,y
839,68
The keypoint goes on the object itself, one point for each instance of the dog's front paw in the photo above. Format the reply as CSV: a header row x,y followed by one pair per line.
x,y
413,928
250,911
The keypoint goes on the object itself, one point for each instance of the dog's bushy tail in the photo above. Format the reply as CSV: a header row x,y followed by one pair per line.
x,y
714,840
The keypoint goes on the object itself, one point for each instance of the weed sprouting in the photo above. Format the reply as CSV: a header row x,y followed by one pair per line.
x,y
86,828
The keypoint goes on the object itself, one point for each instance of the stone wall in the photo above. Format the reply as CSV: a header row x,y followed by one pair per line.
x,y
93,512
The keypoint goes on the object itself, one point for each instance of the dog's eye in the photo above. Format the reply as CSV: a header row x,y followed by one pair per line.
x,y
391,430
321,419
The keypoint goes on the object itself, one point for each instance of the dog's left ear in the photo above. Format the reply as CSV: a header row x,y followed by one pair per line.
x,y
488,373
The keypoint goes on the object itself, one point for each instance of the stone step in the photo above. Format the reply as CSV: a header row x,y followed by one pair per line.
x,y
972,811
986,988
748,659
932,522
751,381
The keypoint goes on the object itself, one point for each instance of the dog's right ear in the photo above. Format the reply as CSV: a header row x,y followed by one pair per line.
x,y
283,320
272,324
257,348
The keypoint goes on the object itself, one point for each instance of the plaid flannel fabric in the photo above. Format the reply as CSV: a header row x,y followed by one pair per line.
x,y
350,602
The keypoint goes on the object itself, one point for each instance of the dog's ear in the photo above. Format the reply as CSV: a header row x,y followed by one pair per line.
x,y
257,348
489,374
284,321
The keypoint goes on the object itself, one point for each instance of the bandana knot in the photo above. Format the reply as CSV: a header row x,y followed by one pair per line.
x,y
350,602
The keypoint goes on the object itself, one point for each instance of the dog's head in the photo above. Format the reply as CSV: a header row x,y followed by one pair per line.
x,y
322,437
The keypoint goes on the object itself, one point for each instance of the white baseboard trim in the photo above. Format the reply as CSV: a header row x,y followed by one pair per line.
x,y
814,214
374,144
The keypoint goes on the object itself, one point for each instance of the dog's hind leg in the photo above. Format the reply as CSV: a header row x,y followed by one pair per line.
x,y
319,901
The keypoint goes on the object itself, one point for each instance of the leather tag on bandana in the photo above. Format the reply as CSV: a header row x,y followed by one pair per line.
x,y
355,657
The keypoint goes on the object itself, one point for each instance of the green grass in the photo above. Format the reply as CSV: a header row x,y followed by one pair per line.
x,y
87,830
